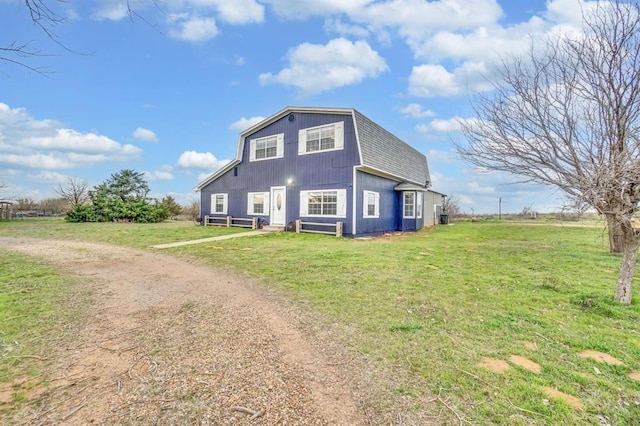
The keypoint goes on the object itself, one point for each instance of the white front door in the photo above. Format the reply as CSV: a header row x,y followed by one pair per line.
x,y
278,206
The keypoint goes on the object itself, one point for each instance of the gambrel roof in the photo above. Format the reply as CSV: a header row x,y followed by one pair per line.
x,y
380,151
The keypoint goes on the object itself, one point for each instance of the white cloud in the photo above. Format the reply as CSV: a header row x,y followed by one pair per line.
x,y
414,110
346,29
245,123
476,188
200,160
296,9
164,173
74,141
430,81
195,29
240,11
146,135
452,124
48,177
26,142
315,68
113,10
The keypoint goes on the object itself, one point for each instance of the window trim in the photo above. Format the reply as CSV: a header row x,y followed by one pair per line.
x,y
404,205
279,147
338,138
225,203
341,203
365,204
251,203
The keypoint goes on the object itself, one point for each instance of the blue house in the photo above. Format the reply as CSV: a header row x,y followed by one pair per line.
x,y
323,165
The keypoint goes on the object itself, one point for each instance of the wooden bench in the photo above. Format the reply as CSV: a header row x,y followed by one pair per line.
x,y
228,221
337,228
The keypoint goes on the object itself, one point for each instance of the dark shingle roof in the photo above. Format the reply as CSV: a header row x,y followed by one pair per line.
x,y
384,151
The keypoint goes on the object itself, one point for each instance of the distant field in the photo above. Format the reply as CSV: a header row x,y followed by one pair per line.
x,y
449,305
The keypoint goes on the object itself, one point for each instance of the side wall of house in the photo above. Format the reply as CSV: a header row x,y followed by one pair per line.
x,y
388,208
432,207
314,171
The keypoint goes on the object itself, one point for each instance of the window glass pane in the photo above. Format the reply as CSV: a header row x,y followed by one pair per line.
x,y
330,203
219,204
409,204
315,203
323,203
328,138
258,203
266,147
313,146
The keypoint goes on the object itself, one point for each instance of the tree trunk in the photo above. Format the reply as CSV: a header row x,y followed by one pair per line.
x,y
629,256
615,235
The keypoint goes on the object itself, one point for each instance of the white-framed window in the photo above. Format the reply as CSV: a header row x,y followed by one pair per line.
x,y
324,203
409,205
329,137
419,198
371,204
258,203
219,203
266,148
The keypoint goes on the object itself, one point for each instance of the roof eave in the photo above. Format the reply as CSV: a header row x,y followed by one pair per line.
x,y
213,176
381,173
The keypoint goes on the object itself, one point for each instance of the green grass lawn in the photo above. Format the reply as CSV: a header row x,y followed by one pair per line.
x,y
437,302
38,308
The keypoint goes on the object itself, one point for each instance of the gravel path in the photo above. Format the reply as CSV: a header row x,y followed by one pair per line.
x,y
171,342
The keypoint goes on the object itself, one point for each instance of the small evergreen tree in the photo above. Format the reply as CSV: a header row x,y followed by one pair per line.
x,y
122,197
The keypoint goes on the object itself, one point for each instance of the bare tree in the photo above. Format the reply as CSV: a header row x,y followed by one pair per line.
x,y
570,118
74,191
451,206
46,15
193,210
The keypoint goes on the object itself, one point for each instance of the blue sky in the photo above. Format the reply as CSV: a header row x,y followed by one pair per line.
x,y
169,96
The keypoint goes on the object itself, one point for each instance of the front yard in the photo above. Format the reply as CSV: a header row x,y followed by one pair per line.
x,y
490,322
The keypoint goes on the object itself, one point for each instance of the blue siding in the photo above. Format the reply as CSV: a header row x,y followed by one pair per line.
x,y
324,170
390,210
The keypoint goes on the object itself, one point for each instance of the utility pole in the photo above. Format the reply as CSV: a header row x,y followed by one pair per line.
x,y
499,208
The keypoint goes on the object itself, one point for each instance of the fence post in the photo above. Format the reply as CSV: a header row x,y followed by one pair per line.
x,y
206,221
338,229
228,221
298,226
254,223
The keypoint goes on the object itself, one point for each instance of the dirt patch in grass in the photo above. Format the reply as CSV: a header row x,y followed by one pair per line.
x,y
525,363
569,399
635,375
171,342
600,357
493,364
531,346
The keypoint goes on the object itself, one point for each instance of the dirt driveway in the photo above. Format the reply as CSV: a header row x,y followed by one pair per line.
x,y
171,342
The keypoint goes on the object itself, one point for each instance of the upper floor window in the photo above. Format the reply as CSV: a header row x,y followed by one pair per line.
x,y
329,137
266,148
